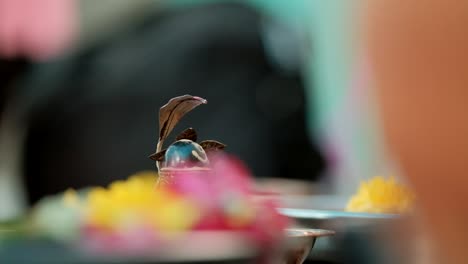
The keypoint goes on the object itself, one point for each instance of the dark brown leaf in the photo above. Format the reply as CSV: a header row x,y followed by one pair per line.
x,y
212,145
188,133
158,156
173,111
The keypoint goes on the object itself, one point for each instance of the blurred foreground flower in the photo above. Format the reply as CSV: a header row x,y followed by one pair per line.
x,y
59,216
136,215
380,195
226,197
131,215
134,202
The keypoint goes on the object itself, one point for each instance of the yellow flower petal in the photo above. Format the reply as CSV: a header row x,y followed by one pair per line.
x,y
380,195
135,201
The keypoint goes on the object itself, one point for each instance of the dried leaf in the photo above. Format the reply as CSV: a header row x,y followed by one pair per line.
x,y
158,156
212,145
188,133
173,111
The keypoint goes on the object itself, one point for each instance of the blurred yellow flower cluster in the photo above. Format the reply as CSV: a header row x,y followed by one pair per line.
x,y
135,203
380,195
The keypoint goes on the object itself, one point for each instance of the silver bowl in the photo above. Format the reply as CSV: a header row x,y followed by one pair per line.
x,y
360,238
300,242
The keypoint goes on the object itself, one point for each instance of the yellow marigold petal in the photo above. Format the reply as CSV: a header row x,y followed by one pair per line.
x,y
380,195
135,201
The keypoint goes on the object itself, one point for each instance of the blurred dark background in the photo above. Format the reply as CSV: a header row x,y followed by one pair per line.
x,y
91,117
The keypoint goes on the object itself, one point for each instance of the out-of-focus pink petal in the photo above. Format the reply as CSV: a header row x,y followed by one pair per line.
x,y
36,29
8,27
139,239
225,196
231,174
195,185
269,225
213,220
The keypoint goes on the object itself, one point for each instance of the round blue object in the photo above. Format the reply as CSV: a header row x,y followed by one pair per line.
x,y
185,153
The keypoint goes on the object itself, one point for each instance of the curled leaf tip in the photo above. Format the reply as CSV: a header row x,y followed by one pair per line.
x,y
204,101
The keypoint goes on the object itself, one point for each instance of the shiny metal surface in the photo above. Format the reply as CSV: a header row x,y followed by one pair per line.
x,y
300,242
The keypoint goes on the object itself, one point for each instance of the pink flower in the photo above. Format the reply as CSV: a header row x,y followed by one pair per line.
x,y
197,185
36,29
269,225
139,239
231,173
227,195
